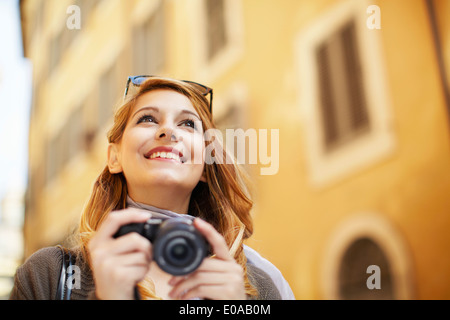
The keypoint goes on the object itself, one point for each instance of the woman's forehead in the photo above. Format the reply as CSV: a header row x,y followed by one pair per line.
x,y
165,100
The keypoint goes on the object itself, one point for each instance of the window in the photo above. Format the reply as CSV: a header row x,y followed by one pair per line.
x,y
216,29
52,160
59,46
230,113
66,145
353,274
149,44
216,36
58,153
342,97
231,119
343,94
90,122
75,129
356,247
36,183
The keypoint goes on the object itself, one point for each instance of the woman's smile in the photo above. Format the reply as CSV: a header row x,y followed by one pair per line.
x,y
165,153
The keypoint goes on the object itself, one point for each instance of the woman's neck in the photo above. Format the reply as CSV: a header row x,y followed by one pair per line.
x,y
162,200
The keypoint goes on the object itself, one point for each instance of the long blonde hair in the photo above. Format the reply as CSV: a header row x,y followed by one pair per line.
x,y
223,200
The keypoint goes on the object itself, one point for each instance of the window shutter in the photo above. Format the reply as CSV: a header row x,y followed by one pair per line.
x,y
342,98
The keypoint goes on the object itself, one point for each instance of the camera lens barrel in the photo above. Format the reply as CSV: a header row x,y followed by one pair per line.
x,y
179,248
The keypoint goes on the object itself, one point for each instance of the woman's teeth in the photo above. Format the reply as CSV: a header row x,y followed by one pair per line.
x,y
166,155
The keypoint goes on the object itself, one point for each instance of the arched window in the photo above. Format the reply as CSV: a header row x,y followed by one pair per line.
x,y
366,252
354,273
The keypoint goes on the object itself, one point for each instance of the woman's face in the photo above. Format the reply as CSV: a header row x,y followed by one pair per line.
x,y
162,145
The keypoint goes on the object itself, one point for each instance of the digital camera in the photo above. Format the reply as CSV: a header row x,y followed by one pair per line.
x,y
178,248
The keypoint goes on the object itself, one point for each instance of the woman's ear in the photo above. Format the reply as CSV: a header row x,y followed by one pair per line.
x,y
113,159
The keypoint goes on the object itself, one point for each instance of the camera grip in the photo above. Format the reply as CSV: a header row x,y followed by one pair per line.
x,y
132,227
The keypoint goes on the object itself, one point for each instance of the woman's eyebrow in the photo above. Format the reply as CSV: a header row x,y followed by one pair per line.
x,y
146,108
156,109
191,113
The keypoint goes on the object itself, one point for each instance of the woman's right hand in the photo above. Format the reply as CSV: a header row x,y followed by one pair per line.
x,y
118,264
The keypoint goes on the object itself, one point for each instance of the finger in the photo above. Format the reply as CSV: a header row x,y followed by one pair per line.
x,y
204,292
217,265
116,219
196,279
128,274
132,267
212,292
208,265
135,259
212,271
214,238
129,243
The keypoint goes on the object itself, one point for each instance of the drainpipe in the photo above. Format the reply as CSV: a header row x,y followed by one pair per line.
x,y
439,54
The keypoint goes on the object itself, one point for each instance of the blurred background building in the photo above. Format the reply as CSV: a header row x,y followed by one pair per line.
x,y
15,101
359,91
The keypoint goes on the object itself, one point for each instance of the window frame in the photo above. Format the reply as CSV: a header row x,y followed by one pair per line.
x,y
325,167
377,228
145,16
207,70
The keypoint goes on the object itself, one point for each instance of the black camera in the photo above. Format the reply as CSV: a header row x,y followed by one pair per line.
x,y
178,248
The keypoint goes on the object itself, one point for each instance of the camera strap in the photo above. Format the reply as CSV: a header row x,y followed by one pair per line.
x,y
63,291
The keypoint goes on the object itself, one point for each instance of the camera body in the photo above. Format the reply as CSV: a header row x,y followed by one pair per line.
x,y
178,247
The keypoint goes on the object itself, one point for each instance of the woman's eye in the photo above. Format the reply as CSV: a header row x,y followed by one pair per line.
x,y
189,123
146,118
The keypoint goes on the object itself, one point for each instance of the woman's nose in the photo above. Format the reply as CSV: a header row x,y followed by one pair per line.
x,y
166,133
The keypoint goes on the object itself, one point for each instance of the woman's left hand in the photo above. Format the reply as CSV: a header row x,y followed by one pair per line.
x,y
218,278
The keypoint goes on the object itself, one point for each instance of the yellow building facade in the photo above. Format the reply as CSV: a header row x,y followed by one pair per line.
x,y
356,204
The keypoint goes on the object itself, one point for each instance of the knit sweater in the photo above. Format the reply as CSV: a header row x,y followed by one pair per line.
x,y
38,277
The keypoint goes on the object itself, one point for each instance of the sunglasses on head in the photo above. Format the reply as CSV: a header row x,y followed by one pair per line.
x,y
138,80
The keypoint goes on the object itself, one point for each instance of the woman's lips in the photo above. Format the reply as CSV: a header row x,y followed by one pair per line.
x,y
165,153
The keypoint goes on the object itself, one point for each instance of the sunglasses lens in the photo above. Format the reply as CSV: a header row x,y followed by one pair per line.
x,y
137,81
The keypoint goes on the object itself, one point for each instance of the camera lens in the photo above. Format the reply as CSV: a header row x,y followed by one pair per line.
x,y
178,248
178,252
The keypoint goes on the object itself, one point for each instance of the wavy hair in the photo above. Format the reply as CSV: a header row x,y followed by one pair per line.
x,y
222,200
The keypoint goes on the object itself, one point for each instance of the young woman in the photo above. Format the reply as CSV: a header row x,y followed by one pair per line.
x,y
156,167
